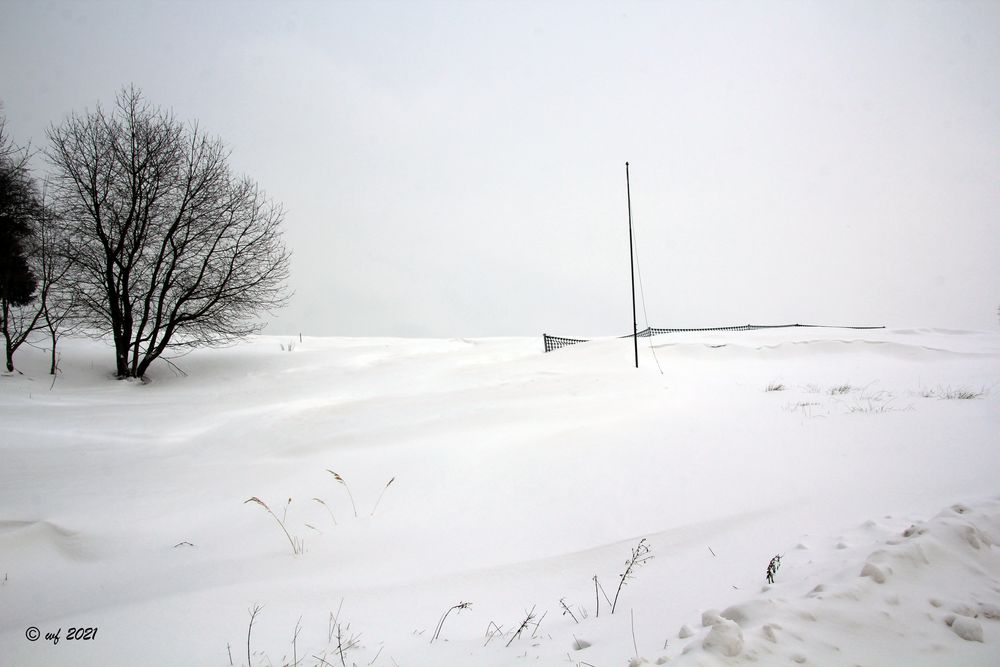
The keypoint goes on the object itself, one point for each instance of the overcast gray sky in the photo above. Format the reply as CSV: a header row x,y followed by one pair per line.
x,y
457,168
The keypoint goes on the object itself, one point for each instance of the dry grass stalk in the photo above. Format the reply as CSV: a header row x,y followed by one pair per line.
x,y
296,545
327,509
525,623
640,554
460,606
295,639
349,494
566,610
382,494
492,630
253,615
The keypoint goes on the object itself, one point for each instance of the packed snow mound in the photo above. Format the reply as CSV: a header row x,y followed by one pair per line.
x,y
43,539
929,591
899,343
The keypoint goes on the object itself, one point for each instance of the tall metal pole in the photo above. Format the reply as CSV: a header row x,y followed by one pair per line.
x,y
631,264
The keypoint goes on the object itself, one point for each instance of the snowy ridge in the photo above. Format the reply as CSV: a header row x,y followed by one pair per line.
x,y
930,591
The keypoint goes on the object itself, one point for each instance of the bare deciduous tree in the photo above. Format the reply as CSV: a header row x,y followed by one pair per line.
x,y
170,248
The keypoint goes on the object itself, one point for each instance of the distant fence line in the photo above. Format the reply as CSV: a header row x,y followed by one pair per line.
x,y
556,342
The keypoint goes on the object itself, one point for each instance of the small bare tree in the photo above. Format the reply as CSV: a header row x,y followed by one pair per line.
x,y
59,301
53,261
170,249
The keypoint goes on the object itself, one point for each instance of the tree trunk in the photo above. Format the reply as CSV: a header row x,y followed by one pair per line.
x,y
52,368
10,354
6,337
122,366
121,356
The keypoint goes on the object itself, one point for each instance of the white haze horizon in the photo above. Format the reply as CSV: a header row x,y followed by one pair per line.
x,y
458,169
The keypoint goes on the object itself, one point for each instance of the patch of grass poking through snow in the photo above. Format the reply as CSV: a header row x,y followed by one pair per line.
x,y
343,482
528,618
878,402
805,407
345,644
775,386
298,547
840,390
346,641
954,394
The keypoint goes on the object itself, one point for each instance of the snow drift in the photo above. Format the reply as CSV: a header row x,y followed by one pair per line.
x,y
521,483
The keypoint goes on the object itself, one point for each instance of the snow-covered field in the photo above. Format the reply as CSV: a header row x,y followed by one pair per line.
x,y
518,477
